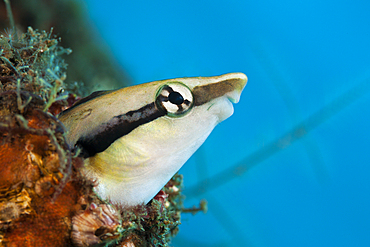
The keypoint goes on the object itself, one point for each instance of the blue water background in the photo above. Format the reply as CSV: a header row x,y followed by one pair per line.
x,y
299,57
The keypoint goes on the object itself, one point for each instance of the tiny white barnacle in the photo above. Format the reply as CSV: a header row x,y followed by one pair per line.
x,y
97,224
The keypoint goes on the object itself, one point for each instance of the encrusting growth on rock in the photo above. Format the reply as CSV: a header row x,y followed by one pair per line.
x,y
44,199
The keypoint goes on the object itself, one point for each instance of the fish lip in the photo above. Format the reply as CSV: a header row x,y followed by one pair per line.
x,y
232,100
233,97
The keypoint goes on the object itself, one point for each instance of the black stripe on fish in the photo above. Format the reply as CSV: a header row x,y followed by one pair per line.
x,y
107,133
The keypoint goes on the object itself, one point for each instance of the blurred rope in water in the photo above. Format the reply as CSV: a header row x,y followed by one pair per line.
x,y
291,103
296,133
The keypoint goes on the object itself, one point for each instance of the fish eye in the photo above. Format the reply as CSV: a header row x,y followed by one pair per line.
x,y
174,98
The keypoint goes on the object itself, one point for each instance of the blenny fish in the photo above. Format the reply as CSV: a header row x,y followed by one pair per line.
x,y
136,138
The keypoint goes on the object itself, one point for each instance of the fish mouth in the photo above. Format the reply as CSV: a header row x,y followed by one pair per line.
x,y
233,97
